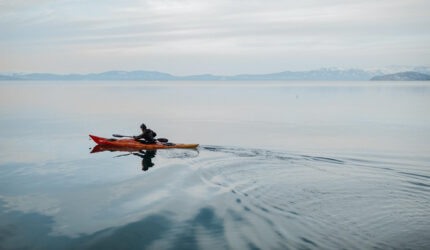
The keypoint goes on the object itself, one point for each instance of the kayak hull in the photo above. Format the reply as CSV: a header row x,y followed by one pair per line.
x,y
132,144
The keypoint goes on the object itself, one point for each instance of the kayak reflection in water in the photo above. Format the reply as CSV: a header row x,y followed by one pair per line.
x,y
146,155
146,158
147,135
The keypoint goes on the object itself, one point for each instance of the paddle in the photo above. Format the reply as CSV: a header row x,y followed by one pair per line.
x,y
159,139
120,136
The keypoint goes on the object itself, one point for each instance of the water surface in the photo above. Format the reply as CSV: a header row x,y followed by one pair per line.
x,y
281,166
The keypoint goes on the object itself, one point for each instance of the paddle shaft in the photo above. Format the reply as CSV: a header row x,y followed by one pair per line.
x,y
115,135
159,139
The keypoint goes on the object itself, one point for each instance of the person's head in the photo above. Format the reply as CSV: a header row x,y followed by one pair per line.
x,y
143,126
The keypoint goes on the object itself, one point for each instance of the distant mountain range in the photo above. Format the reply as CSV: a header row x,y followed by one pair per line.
x,y
403,76
324,74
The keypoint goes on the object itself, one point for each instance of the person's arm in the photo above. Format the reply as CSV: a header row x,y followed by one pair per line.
x,y
138,136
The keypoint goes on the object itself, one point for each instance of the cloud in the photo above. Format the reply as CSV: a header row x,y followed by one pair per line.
x,y
236,30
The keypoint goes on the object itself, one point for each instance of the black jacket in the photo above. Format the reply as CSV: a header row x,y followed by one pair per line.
x,y
148,135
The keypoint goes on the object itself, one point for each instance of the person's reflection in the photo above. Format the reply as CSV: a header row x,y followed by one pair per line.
x,y
146,158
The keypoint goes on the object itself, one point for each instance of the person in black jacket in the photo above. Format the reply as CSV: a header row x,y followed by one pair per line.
x,y
147,135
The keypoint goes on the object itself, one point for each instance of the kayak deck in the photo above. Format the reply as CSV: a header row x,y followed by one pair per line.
x,y
130,143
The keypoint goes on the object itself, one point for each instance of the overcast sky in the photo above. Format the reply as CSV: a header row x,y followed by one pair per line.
x,y
220,37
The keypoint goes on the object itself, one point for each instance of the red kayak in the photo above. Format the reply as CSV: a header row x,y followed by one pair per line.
x,y
132,144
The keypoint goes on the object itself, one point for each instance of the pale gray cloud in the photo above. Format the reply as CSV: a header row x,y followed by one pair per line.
x,y
226,36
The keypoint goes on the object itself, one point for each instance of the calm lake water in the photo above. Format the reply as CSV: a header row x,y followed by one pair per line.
x,y
297,165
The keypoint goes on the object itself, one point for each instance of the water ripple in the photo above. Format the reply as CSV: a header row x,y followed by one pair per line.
x,y
313,201
227,198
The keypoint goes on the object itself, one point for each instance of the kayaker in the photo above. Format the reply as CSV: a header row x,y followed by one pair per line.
x,y
147,135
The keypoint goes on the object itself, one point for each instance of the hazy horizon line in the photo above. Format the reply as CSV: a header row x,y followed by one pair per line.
x,y
370,68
